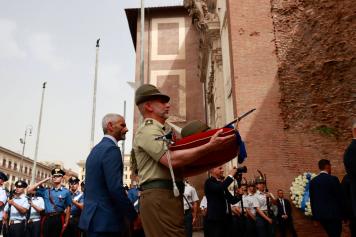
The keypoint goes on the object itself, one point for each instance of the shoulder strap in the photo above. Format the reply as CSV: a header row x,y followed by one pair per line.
x,y
51,200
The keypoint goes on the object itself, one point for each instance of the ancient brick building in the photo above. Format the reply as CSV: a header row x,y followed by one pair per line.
x,y
294,61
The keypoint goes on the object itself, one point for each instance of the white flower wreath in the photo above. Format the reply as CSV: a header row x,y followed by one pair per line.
x,y
300,192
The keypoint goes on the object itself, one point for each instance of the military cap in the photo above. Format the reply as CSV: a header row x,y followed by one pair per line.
x,y
3,176
20,184
260,180
251,183
58,171
73,180
148,92
193,127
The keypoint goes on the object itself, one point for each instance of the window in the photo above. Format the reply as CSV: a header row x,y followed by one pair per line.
x,y
30,170
15,166
9,165
13,178
25,170
125,176
4,162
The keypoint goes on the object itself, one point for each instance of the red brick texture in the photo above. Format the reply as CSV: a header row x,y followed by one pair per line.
x,y
281,153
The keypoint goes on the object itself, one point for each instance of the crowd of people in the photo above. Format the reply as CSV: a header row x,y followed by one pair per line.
x,y
34,211
164,203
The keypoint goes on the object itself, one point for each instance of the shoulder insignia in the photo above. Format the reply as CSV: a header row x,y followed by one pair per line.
x,y
149,122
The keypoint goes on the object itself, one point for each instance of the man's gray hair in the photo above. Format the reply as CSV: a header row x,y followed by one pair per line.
x,y
109,118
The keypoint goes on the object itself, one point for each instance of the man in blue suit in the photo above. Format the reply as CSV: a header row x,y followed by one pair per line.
x,y
107,209
218,217
326,200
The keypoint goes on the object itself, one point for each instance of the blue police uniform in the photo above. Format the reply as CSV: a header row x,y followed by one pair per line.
x,y
72,229
56,201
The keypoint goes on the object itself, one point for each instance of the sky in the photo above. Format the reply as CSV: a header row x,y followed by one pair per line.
x,y
54,42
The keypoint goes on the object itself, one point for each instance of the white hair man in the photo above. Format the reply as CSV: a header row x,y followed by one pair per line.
x,y
106,205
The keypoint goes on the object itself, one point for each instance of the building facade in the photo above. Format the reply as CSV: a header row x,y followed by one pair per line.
x,y
250,56
171,54
18,167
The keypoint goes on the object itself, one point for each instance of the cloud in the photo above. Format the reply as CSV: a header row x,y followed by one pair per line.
x,y
42,48
9,47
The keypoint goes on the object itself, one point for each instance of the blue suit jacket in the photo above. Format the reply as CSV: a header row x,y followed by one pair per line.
x,y
326,197
106,204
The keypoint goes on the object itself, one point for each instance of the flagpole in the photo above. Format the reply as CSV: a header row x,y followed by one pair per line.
x,y
38,135
94,96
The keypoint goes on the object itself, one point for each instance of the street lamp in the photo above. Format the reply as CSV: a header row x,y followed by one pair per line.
x,y
23,140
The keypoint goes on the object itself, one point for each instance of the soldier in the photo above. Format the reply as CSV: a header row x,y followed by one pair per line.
x,y
3,197
76,208
264,216
16,210
161,209
33,228
57,201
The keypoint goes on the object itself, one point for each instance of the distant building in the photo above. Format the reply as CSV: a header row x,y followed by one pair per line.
x,y
81,165
18,167
127,170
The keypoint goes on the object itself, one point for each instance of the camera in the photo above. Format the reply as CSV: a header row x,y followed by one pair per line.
x,y
239,172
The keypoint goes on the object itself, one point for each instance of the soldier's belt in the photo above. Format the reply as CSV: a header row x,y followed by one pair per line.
x,y
53,214
16,222
162,183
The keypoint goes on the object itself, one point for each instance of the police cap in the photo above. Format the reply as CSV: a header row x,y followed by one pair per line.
x,y
193,127
148,92
73,180
3,176
57,171
20,184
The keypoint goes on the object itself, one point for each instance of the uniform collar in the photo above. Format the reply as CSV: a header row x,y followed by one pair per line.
x,y
111,138
76,193
56,189
19,197
323,172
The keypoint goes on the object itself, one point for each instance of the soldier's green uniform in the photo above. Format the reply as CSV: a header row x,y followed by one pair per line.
x,y
161,212
148,152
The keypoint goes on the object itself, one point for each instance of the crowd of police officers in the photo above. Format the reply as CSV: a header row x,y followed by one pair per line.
x,y
55,211
43,211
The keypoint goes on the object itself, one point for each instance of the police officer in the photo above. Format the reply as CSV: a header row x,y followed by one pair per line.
x,y
57,201
76,208
250,203
34,221
264,217
190,207
239,211
3,197
161,209
16,210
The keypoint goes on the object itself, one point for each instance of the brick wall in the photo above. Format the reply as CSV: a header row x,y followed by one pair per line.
x,y
280,151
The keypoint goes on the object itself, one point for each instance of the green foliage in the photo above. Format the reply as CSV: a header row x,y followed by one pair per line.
x,y
327,131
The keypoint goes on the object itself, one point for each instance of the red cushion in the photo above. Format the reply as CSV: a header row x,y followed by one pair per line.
x,y
222,155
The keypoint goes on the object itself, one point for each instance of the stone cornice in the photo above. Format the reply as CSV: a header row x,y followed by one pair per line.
x,y
208,25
